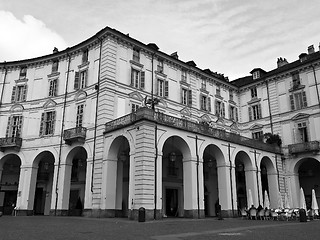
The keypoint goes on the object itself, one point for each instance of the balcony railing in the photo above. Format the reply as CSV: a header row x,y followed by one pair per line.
x,y
77,134
204,129
10,142
297,148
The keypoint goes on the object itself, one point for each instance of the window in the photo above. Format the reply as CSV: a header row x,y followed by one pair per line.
x,y
53,87
85,55
134,107
47,123
257,135
205,103
136,55
231,95
19,93
183,76
186,97
23,73
302,132
160,66
256,75
220,110
254,92
203,84
233,113
218,90
14,126
162,88
137,78
55,66
255,112
295,80
80,80
79,120
298,100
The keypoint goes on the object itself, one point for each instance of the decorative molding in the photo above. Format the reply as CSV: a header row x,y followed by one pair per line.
x,y
300,116
49,104
16,108
136,95
256,126
80,95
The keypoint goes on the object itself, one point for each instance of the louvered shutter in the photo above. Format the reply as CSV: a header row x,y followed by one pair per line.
x,y
259,111
13,96
166,89
230,114
20,126
86,73
76,80
42,126
223,111
236,112
181,95
24,93
304,99
132,78
56,88
8,127
216,106
190,98
157,87
291,102
53,121
209,104
142,80
250,113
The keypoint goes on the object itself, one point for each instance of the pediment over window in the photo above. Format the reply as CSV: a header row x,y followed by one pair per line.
x,y
185,111
300,116
162,104
49,104
220,121
136,95
80,95
205,118
17,108
256,126
234,126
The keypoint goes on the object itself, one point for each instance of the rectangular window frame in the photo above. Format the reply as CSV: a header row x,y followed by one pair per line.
x,y
80,115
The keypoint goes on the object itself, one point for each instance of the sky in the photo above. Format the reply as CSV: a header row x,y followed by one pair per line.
x,y
227,36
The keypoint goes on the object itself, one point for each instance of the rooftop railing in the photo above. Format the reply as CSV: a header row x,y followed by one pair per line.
x,y
183,124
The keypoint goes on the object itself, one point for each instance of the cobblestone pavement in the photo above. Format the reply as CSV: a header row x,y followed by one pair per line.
x,y
47,228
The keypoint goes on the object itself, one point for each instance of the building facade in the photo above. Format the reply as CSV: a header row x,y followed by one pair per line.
x,y
111,125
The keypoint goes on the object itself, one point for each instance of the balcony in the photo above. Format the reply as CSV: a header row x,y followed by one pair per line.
x,y
77,134
10,143
305,147
204,129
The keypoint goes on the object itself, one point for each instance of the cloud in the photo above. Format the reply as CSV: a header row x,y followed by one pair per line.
x,y
27,38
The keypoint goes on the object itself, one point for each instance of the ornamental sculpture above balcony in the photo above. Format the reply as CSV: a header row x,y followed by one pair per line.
x,y
304,147
10,143
77,134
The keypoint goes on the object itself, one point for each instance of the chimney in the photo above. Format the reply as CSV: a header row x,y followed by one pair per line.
x,y
175,55
281,62
55,50
310,49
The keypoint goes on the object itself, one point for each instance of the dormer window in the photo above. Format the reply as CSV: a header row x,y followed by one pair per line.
x,y
136,55
256,75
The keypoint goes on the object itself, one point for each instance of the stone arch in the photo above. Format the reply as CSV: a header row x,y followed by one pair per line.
x,y
269,180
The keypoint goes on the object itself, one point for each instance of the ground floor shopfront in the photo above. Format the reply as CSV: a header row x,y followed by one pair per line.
x,y
170,167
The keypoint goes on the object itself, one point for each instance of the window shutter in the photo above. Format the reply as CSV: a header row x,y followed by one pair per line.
x,y
86,78
53,121
56,88
8,127
24,93
76,80
42,130
13,96
181,95
230,115
157,87
20,126
216,106
166,89
223,111
291,102
132,78
190,98
304,99
142,80
209,104
250,113
236,112
259,111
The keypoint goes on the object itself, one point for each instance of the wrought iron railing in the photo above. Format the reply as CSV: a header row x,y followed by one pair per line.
x,y
312,146
77,132
204,129
10,142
